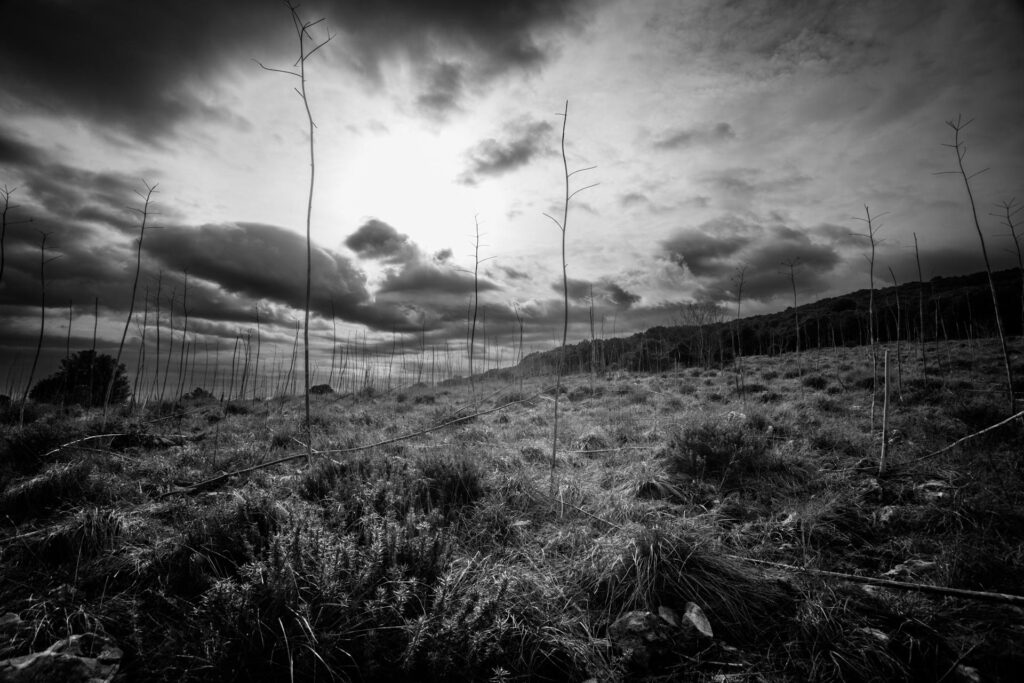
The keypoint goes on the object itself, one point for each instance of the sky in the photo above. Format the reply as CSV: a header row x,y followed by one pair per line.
x,y
722,135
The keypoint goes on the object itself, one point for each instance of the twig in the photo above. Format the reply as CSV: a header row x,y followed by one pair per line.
x,y
210,483
76,441
968,437
889,583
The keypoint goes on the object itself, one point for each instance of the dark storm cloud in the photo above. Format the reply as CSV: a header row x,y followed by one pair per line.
x,y
710,250
604,291
427,280
522,141
138,67
714,250
840,235
18,153
680,138
266,262
620,297
443,256
133,66
499,37
375,239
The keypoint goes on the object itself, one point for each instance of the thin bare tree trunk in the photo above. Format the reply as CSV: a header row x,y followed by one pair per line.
x,y
144,212
961,150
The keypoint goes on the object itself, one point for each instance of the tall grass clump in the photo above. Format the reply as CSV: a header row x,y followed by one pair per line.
x,y
716,449
645,568
61,485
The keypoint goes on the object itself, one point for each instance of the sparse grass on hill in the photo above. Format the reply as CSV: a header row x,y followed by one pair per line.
x,y
445,556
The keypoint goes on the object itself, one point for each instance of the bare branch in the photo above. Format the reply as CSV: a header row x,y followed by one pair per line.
x,y
282,71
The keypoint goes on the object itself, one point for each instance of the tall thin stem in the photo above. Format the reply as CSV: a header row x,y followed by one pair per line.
x,y
144,212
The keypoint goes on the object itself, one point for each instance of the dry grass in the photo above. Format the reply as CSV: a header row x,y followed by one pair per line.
x,y
445,556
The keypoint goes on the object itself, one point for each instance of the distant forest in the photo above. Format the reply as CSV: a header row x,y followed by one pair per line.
x,y
954,308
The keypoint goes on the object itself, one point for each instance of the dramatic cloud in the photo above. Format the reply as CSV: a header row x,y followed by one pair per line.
x,y
148,68
443,91
679,138
497,39
375,239
134,69
714,251
266,262
522,142
603,291
428,280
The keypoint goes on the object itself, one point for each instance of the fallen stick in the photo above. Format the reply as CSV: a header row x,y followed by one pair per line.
x,y
213,482
967,438
899,585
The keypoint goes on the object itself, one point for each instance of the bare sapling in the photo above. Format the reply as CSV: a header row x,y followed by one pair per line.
x,y
234,359
140,367
42,324
873,229
256,369
67,353
562,225
144,212
885,417
519,356
1009,211
4,224
899,355
739,278
334,342
476,302
960,147
791,265
183,355
307,47
170,342
920,310
156,365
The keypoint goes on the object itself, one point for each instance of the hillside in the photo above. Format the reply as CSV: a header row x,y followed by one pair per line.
x,y
953,308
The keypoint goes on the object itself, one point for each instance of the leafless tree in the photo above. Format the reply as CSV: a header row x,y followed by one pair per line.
x,y
920,309
42,324
791,264
144,212
303,31
1009,211
960,147
4,224
739,278
899,355
562,225
873,229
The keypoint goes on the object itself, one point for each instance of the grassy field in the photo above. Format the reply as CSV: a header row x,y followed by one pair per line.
x,y
446,555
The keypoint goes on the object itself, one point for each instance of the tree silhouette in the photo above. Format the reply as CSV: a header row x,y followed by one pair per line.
x,y
83,380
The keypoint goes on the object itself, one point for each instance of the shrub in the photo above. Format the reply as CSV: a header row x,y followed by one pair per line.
x,y
717,449
82,380
815,382
449,483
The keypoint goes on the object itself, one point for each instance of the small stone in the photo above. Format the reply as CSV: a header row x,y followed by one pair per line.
x,y
694,615
669,615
